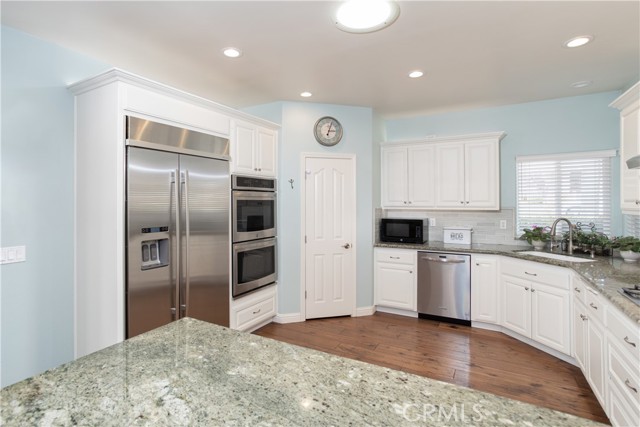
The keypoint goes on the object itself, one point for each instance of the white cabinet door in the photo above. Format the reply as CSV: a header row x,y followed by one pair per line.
x,y
396,286
394,176
266,149
630,146
596,360
421,176
484,288
450,175
482,182
516,305
550,322
253,150
580,330
243,148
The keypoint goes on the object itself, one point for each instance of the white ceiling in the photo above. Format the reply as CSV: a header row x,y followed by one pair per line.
x,y
474,54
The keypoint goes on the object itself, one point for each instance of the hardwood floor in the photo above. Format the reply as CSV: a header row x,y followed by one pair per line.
x,y
476,358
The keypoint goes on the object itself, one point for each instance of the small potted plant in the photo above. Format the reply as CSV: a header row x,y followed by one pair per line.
x,y
629,247
536,236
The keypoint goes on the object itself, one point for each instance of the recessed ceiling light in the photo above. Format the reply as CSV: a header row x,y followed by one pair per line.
x,y
578,41
232,52
306,94
583,83
366,16
415,74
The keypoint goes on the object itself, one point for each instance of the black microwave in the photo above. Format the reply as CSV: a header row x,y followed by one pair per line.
x,y
403,230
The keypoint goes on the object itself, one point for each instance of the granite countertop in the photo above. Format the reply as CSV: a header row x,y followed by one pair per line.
x,y
195,373
606,274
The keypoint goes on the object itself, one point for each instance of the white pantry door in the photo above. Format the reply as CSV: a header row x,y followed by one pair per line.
x,y
330,255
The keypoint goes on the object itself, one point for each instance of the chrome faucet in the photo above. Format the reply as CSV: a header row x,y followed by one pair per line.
x,y
553,233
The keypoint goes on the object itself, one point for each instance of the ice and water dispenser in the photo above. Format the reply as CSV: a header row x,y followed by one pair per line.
x,y
154,252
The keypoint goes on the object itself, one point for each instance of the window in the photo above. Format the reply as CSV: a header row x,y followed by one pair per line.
x,y
576,186
632,225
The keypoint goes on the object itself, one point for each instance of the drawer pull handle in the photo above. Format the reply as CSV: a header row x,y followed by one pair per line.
x,y
626,339
530,274
257,311
394,257
594,306
577,290
628,384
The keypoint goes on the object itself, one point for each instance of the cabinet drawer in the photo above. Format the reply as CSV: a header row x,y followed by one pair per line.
x,y
396,256
528,270
595,305
255,313
624,333
578,288
625,375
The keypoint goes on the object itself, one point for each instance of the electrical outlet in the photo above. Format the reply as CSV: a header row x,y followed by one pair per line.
x,y
13,254
432,222
503,224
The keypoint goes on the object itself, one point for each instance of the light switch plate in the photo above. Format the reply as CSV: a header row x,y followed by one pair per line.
x,y
432,222
13,254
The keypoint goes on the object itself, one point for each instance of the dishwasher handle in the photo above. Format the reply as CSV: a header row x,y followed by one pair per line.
x,y
444,260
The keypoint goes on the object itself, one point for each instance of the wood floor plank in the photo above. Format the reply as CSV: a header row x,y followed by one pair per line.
x,y
476,358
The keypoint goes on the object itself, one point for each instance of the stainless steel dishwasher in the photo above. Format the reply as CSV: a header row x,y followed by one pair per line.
x,y
444,287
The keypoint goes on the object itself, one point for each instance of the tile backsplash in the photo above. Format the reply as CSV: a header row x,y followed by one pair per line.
x,y
485,225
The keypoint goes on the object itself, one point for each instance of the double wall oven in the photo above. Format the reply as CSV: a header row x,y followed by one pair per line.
x,y
254,205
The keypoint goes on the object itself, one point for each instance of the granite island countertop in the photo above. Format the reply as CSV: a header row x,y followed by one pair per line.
x,y
605,274
195,373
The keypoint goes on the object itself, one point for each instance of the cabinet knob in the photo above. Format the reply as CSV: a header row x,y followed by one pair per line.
x,y
637,202
467,202
526,289
461,202
533,290
405,202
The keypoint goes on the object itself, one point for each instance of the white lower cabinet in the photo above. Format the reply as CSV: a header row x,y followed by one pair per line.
x,y
254,310
395,278
484,288
536,302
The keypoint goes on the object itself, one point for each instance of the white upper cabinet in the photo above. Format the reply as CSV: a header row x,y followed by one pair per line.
x,y
253,150
468,175
407,176
629,106
458,172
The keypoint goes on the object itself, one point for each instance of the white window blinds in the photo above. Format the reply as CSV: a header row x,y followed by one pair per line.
x,y
576,186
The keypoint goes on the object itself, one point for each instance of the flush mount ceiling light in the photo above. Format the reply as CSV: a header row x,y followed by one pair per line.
x,y
578,41
232,52
415,74
306,94
366,16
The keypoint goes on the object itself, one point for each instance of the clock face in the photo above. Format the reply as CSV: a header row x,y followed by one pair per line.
x,y
328,131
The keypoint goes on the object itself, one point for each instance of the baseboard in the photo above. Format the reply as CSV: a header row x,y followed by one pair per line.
x,y
288,318
541,347
397,311
365,311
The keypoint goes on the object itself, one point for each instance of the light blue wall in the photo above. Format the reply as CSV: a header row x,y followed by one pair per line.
x,y
37,203
581,123
296,137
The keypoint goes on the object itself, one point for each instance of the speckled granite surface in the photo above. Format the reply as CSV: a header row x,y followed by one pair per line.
x,y
616,273
195,373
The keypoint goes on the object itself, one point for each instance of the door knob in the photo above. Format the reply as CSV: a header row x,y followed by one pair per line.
x,y
346,246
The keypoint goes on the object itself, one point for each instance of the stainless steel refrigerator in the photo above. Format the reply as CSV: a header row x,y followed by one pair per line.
x,y
177,208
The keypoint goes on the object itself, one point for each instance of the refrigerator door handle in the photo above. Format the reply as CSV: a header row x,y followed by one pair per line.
x,y
176,287
184,178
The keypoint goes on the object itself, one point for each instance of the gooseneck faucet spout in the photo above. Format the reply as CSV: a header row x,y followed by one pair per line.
x,y
553,233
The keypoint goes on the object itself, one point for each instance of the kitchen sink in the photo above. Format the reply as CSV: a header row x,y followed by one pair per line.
x,y
559,257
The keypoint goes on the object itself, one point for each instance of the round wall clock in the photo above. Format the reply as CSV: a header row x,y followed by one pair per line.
x,y
328,131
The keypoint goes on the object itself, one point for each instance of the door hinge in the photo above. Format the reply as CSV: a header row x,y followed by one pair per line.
x,y
305,239
305,294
